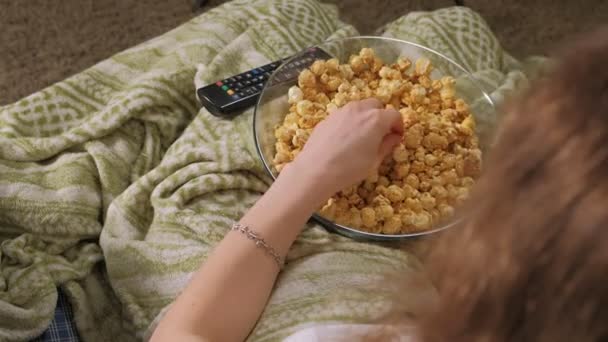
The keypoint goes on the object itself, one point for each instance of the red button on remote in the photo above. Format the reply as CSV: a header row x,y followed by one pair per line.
x,y
219,83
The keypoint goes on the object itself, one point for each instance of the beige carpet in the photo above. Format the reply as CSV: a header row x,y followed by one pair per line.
x,y
44,41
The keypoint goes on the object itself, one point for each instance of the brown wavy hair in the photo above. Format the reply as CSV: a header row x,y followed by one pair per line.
x,y
531,262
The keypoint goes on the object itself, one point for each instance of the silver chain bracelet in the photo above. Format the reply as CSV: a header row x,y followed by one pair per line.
x,y
260,242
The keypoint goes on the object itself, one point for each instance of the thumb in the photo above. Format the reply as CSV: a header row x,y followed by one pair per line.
x,y
388,143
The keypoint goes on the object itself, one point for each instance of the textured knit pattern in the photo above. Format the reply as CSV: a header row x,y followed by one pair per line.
x,y
115,186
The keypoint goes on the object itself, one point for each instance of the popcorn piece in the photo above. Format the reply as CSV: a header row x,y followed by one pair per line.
x,y
355,217
322,99
307,79
436,85
283,133
413,137
424,186
418,94
357,64
368,217
427,201
430,160
433,141
318,67
294,95
384,211
439,192
422,220
412,180
380,200
377,65
423,67
333,83
384,95
304,108
359,83
401,171
367,55
449,177
383,181
417,167
425,81
340,99
403,64
447,81
344,87
329,209
282,147
282,157
395,194
332,65
392,225
300,138
445,210
346,72
331,107
447,93
413,204
461,106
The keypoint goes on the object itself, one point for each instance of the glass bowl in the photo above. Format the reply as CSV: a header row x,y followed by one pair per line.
x,y
272,107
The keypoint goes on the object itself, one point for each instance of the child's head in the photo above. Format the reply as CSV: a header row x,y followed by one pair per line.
x,y
531,263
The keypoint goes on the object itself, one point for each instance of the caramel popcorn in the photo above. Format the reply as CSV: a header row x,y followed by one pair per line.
x,y
429,173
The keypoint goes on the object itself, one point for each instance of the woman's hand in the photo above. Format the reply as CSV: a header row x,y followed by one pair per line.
x,y
347,146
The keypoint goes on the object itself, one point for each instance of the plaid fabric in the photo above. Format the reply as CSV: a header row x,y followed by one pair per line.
x,y
62,328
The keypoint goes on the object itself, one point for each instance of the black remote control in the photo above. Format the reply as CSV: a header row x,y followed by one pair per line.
x,y
224,98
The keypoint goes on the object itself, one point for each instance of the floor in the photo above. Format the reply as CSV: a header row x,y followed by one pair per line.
x,y
42,41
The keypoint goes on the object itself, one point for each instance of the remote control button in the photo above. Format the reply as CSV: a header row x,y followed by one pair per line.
x,y
247,82
250,91
236,97
238,77
248,75
288,75
255,71
242,94
225,87
219,83
230,92
231,79
239,84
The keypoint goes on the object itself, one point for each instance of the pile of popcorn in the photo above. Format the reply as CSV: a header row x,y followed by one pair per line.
x,y
428,173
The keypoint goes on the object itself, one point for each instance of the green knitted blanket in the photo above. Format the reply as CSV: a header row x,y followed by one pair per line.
x,y
115,185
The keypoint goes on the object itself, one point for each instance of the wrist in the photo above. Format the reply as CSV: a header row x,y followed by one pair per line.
x,y
308,184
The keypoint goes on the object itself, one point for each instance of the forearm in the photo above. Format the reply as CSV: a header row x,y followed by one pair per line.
x,y
227,295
